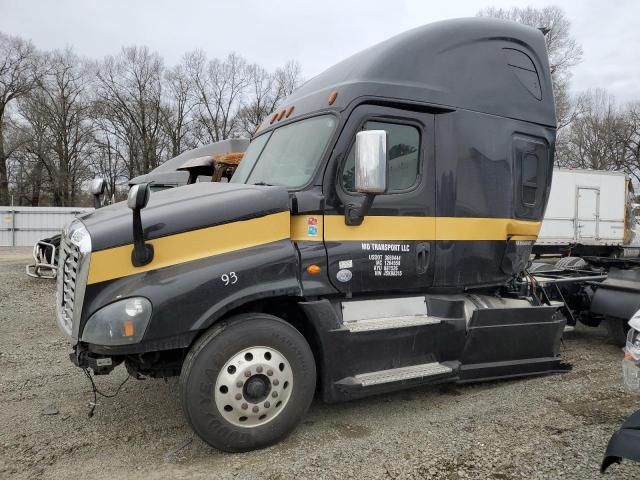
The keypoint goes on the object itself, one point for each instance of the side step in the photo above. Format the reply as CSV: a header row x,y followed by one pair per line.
x,y
374,324
398,374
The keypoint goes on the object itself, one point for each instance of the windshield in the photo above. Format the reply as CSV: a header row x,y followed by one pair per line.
x,y
288,156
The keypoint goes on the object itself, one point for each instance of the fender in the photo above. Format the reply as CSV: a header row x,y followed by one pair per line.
x,y
191,296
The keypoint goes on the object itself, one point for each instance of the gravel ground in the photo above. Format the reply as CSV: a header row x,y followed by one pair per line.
x,y
540,428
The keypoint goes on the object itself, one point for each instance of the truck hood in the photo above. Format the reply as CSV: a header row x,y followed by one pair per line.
x,y
184,209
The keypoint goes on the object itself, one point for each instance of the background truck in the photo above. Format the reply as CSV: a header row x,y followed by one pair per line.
x,y
590,213
590,223
213,162
374,237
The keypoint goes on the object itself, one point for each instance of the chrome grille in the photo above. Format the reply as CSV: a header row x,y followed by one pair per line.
x,y
69,261
73,268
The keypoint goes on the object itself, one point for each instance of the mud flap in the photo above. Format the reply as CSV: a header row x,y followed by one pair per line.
x,y
512,342
625,443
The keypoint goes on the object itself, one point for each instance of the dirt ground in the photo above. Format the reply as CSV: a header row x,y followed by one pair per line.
x,y
539,428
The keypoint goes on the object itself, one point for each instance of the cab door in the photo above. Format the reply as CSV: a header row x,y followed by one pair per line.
x,y
393,249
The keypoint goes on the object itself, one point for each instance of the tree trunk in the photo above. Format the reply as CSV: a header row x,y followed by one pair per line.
x,y
4,179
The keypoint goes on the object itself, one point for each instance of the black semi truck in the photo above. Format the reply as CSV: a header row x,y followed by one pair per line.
x,y
373,238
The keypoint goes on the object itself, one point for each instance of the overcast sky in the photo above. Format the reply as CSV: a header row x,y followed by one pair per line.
x,y
316,33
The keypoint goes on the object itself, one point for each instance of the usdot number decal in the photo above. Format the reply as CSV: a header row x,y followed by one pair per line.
x,y
229,278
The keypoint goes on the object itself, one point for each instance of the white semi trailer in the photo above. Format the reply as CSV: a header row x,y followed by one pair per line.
x,y
590,222
590,213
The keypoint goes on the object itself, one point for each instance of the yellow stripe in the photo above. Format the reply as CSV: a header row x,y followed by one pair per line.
x,y
452,228
416,228
196,244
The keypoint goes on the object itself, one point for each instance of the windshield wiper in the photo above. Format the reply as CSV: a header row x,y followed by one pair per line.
x,y
262,184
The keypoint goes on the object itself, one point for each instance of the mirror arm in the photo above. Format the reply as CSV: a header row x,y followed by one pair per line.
x,y
142,252
354,214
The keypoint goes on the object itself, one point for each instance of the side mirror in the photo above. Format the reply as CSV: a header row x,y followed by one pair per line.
x,y
138,198
371,161
97,188
371,172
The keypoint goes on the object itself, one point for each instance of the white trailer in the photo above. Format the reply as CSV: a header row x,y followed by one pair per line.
x,y
589,212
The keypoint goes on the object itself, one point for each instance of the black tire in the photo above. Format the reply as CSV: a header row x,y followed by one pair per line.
x,y
570,262
207,357
617,328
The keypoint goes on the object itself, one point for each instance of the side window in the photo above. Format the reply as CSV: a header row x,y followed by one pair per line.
x,y
531,168
404,153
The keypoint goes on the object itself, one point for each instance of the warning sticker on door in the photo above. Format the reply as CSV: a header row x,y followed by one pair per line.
x,y
312,226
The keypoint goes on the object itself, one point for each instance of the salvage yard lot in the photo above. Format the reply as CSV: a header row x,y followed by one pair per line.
x,y
546,427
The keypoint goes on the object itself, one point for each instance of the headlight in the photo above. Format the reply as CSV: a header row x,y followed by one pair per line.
x,y
79,236
120,323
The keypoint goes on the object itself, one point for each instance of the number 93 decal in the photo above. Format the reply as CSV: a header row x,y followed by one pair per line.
x,y
229,278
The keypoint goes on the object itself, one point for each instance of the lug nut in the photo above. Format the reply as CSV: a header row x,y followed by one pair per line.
x,y
267,404
274,394
247,373
255,409
269,372
275,382
238,396
259,369
239,384
245,406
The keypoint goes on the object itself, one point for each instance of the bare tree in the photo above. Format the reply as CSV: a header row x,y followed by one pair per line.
x,y
630,139
218,89
563,50
129,91
17,78
57,112
594,139
176,109
266,91
108,160
64,119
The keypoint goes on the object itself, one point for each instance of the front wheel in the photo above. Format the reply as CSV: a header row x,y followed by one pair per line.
x,y
247,383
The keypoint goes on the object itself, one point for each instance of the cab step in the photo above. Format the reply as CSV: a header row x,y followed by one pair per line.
x,y
411,372
384,314
375,324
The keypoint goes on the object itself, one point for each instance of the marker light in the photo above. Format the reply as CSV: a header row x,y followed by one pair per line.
x,y
128,328
313,269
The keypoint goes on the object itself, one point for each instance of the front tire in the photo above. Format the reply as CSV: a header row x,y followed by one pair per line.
x,y
248,382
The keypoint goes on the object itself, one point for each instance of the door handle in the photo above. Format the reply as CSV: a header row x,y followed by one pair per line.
x,y
422,257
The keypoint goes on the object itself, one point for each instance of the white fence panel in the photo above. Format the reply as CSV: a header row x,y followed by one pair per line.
x,y
24,226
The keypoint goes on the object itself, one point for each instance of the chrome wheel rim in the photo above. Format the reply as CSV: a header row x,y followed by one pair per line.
x,y
253,387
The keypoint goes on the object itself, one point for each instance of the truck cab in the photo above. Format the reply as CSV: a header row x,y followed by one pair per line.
x,y
372,238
